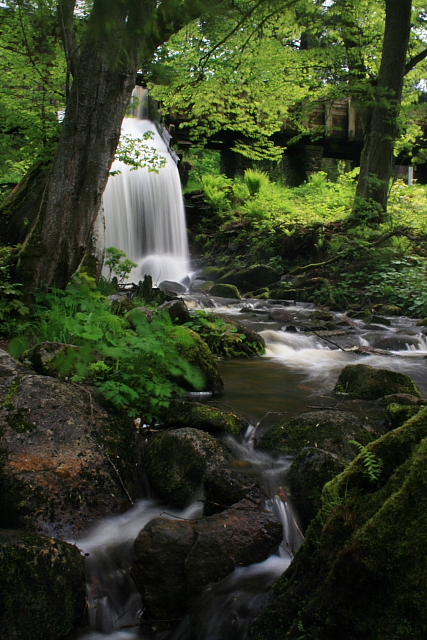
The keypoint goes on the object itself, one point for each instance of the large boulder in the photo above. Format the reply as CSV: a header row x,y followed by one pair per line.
x,y
364,381
65,459
225,291
327,429
361,573
309,472
176,461
175,560
41,586
204,417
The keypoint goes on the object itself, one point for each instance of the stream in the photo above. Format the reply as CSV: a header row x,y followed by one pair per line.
x,y
297,373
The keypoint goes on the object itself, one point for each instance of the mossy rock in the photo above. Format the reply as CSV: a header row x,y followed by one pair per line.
x,y
388,309
309,472
327,429
176,461
397,414
225,291
359,314
259,275
200,356
214,273
201,416
41,586
364,381
177,310
282,293
361,573
321,315
206,285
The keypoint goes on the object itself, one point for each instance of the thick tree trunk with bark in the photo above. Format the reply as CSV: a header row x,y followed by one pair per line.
x,y
377,156
60,215
96,106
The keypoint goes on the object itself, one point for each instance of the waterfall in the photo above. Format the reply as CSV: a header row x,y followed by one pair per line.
x,y
144,211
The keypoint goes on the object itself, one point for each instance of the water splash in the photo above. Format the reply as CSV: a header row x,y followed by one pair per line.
x,y
144,211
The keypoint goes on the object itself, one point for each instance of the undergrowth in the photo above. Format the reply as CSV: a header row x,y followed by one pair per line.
x,y
136,368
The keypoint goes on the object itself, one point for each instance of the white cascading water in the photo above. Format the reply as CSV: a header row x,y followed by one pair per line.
x,y
144,211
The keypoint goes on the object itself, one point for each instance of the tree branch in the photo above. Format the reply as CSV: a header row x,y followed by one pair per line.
x,y
412,63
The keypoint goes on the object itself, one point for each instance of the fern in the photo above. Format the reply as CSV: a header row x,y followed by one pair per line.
x,y
372,464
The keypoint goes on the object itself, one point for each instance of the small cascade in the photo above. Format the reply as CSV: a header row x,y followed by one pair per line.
x,y
144,211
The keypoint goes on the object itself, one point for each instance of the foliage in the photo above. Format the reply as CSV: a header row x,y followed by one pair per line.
x,y
135,153
137,370
371,463
222,338
32,81
255,180
12,310
118,264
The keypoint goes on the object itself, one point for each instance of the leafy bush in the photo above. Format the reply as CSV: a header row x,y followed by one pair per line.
x,y
222,338
255,180
135,369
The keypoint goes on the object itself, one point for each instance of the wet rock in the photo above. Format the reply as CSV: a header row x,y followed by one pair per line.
x,y
199,355
319,314
379,320
177,310
364,551
175,287
138,315
176,461
41,587
366,382
225,291
200,416
280,315
175,561
224,486
359,314
325,429
310,471
55,474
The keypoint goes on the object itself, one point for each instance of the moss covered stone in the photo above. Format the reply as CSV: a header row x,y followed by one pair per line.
x,y
361,573
366,382
309,472
225,291
176,460
397,414
203,417
327,429
41,587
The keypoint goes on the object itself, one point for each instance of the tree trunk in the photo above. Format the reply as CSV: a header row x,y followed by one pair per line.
x,y
377,155
96,106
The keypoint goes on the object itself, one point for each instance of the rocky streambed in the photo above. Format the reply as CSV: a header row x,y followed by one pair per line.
x,y
220,484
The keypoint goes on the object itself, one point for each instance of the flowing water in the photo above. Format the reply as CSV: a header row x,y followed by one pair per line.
x,y
144,211
298,372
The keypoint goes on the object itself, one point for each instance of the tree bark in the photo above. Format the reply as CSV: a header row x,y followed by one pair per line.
x,y
377,155
119,36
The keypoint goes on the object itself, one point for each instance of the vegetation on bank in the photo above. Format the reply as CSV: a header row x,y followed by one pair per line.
x,y
308,234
